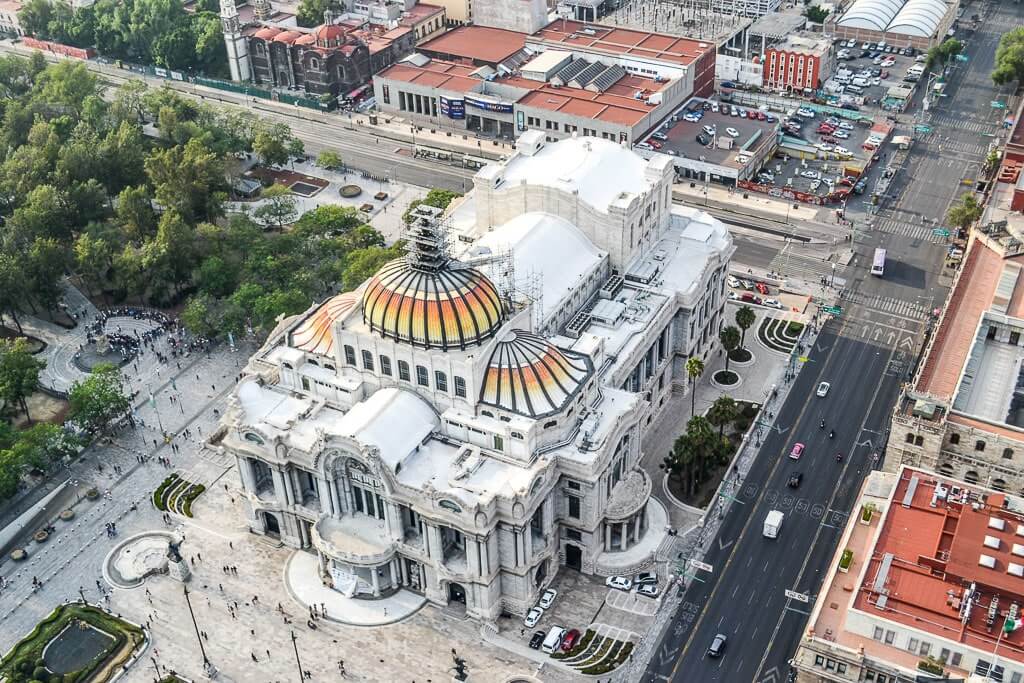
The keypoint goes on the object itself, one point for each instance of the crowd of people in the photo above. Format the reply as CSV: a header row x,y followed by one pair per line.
x,y
132,343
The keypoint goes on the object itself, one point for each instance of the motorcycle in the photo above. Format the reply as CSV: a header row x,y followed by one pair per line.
x,y
839,457
831,434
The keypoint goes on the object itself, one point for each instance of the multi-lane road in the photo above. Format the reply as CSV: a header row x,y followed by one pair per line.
x,y
865,354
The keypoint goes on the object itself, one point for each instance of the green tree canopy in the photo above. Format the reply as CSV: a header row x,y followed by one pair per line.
x,y
19,372
965,212
1009,64
99,398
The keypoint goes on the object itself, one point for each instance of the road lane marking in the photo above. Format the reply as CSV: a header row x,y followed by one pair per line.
x,y
817,532
764,490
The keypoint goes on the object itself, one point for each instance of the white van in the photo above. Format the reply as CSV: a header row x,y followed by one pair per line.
x,y
861,81
554,639
855,89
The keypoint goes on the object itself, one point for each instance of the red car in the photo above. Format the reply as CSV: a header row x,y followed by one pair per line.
x,y
654,143
762,288
760,116
826,129
570,639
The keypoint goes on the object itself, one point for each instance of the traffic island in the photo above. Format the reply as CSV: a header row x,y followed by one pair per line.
x,y
77,642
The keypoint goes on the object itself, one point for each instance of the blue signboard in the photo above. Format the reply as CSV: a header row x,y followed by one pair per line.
x,y
453,108
499,107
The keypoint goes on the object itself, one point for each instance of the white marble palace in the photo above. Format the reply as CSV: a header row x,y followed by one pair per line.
x,y
471,417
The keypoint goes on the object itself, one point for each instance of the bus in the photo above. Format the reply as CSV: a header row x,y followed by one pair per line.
x,y
878,265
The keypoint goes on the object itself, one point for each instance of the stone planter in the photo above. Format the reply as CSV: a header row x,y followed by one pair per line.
x,y
92,494
19,554
67,515
41,536
845,561
350,191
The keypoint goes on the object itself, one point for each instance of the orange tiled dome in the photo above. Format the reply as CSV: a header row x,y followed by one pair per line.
x,y
529,375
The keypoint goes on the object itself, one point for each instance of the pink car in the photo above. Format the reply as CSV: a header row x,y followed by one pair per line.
x,y
798,450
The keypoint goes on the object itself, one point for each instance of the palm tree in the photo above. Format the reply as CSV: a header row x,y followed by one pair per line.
x,y
730,338
745,317
723,411
694,369
965,212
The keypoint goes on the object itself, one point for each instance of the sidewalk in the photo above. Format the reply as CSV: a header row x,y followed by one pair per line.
x,y
755,203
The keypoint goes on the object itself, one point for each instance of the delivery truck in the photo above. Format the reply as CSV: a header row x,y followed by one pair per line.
x,y
772,523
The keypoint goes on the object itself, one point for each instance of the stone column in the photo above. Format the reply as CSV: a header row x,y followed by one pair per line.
x,y
375,581
347,497
324,493
636,526
391,569
607,536
246,474
403,570
280,490
472,556
623,543
393,518
527,546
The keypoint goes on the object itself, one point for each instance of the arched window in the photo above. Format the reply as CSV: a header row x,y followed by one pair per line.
x,y
422,378
403,370
350,355
255,438
314,63
999,484
449,505
954,439
919,441
910,438
440,381
367,360
979,445
946,469
971,477
385,365
1008,454
460,387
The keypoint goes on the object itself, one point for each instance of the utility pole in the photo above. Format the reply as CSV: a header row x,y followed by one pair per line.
x,y
206,662
297,662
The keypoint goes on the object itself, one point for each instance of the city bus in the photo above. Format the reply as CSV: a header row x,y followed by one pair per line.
x,y
878,265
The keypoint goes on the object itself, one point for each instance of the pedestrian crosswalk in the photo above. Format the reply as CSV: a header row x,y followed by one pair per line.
x,y
888,304
972,125
915,232
807,268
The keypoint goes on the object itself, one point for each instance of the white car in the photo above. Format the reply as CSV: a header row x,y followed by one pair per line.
x,y
533,616
809,174
823,389
732,281
733,296
773,303
824,146
710,130
732,132
846,125
622,583
714,107
876,81
649,590
841,135
806,113
815,184
839,149
547,599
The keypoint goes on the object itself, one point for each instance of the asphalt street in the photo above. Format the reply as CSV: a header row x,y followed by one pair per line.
x,y
865,354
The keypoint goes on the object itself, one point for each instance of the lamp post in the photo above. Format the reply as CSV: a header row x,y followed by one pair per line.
x,y
81,594
295,647
206,660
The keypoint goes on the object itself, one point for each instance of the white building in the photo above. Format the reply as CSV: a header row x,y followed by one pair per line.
x,y
470,418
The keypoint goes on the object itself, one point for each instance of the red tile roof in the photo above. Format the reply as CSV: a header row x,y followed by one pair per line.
x,y
620,41
480,43
936,552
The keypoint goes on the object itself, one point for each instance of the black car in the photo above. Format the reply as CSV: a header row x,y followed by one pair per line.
x,y
707,106
795,479
876,72
703,139
536,640
865,53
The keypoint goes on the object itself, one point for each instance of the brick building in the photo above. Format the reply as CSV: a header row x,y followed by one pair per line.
x,y
797,63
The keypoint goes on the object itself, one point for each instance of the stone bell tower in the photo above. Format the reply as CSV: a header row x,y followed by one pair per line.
x,y
237,44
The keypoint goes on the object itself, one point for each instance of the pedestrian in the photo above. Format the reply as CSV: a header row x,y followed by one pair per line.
x,y
219,586
268,654
200,556
253,655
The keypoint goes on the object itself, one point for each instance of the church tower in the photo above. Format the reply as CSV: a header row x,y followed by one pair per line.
x,y
262,10
237,44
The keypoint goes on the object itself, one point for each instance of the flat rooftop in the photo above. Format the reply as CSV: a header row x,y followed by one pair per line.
x,y
682,137
924,557
476,43
623,42
990,379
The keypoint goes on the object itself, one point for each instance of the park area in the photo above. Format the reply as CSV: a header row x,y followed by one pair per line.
x,y
76,643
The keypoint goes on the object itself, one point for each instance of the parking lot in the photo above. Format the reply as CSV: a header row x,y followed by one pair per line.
x,y
880,68
708,130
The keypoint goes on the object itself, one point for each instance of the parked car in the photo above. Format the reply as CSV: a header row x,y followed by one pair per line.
x,y
621,583
841,135
733,296
839,149
710,130
815,184
701,138
810,174
547,599
659,136
732,132
536,640
649,590
732,281
773,303
570,639
714,107
795,479
645,578
797,451
717,646
761,287
824,146
533,616
823,389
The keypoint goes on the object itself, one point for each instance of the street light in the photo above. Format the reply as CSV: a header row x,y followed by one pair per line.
x,y
296,648
207,666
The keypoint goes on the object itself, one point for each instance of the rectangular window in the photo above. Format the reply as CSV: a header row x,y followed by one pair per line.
x,y
357,497
499,443
350,355
574,485
403,370
385,365
890,636
840,667
574,507
421,376
955,659
819,660
367,360
440,380
386,93
878,633
460,387
925,649
912,644
573,535
305,384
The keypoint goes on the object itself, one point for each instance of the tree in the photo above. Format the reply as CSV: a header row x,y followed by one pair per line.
x,y
1009,64
329,219
816,14
311,12
270,306
328,159
439,199
965,212
723,411
134,213
189,179
93,257
939,55
730,338
65,86
99,398
19,372
694,369
199,316
170,256
12,286
278,207
271,144
43,444
363,263
745,317
216,277
45,264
